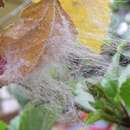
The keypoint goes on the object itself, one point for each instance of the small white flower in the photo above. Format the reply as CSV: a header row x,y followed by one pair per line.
x,y
123,27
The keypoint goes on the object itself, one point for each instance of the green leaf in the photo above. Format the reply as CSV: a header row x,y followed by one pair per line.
x,y
98,104
83,98
18,92
34,118
125,92
110,87
3,126
114,71
37,118
93,117
14,125
117,99
124,75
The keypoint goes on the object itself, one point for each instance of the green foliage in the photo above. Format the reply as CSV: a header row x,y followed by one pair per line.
x,y
125,92
83,98
110,87
14,125
34,118
112,95
93,117
3,126
120,3
19,94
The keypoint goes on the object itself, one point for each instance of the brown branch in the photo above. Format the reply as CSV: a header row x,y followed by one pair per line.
x,y
1,3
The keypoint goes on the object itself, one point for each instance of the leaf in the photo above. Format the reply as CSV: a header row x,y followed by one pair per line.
x,y
83,98
91,18
98,104
124,75
3,126
34,118
34,34
37,118
36,1
93,117
114,71
110,87
18,93
14,124
23,43
110,82
125,92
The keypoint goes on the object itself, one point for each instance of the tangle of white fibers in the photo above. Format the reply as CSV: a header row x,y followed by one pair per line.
x,y
72,62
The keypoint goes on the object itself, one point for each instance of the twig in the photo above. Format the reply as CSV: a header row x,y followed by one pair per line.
x,y
1,3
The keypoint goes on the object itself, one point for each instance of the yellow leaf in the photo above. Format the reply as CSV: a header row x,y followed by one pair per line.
x,y
36,1
91,18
